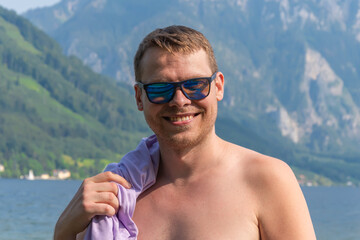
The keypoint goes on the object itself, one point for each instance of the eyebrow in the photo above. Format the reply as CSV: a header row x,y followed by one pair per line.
x,y
163,80
189,79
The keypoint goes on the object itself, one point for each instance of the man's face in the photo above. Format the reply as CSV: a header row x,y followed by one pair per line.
x,y
181,122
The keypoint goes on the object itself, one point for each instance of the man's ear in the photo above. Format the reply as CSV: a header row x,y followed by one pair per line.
x,y
138,93
219,84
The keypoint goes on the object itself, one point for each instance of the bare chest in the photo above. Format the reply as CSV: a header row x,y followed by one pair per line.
x,y
210,211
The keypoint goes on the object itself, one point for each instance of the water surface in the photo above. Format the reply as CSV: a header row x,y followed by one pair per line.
x,y
30,209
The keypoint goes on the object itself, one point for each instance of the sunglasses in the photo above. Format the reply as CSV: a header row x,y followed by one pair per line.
x,y
163,92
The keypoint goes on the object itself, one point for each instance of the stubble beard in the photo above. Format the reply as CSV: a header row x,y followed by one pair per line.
x,y
184,137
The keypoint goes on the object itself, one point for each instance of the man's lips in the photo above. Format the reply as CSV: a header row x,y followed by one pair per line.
x,y
181,118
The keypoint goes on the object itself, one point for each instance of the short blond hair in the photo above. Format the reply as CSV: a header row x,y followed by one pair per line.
x,y
174,39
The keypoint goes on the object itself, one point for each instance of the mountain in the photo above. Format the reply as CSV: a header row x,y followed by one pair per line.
x,y
57,113
291,67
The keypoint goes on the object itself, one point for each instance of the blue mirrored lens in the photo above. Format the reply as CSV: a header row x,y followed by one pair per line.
x,y
196,89
160,92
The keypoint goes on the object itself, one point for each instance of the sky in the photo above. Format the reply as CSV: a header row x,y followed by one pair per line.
x,y
21,6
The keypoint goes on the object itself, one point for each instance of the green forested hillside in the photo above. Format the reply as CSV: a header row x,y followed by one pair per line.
x,y
291,68
55,113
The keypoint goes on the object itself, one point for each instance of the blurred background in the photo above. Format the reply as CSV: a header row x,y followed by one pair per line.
x,y
291,68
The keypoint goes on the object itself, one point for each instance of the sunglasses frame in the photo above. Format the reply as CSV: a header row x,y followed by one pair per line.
x,y
177,85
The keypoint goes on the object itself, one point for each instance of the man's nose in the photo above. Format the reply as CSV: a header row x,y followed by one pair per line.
x,y
179,99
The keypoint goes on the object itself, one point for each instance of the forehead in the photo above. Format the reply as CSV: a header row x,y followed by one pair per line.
x,y
160,65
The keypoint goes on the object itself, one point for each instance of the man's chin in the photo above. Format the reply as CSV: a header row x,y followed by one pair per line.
x,y
180,140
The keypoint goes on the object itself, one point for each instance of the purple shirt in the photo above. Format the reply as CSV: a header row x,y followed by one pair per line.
x,y
139,167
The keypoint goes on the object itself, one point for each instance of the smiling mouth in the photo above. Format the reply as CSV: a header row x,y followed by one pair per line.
x,y
182,118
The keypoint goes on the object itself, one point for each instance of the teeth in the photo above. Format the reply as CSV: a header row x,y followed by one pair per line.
x,y
181,119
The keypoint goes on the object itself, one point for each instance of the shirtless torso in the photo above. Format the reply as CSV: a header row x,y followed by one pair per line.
x,y
235,200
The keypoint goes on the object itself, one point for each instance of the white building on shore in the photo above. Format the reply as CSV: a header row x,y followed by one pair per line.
x,y
57,175
61,174
31,175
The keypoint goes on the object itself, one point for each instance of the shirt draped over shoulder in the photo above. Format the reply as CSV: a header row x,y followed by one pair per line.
x,y
139,167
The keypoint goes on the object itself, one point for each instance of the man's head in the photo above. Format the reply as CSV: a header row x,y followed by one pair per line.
x,y
174,39
178,85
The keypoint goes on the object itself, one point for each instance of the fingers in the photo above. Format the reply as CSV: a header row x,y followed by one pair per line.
x,y
99,194
100,203
106,187
99,209
108,177
96,196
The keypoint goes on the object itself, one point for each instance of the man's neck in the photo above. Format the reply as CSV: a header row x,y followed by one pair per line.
x,y
181,165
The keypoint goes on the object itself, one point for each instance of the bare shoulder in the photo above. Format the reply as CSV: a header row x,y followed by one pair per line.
x,y
280,206
260,169
266,176
263,171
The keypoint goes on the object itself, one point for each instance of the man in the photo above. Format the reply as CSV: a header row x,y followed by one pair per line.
x,y
206,188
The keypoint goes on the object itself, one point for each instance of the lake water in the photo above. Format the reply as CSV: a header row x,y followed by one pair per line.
x,y
29,209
